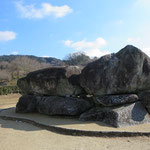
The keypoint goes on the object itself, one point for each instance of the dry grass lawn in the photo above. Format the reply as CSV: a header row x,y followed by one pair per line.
x,y
10,100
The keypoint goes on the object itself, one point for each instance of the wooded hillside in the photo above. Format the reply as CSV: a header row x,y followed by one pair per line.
x,y
13,67
16,66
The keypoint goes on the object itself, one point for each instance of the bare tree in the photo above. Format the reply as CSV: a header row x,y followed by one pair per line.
x,y
4,76
4,65
78,58
23,65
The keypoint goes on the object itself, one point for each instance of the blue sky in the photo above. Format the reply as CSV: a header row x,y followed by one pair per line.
x,y
56,28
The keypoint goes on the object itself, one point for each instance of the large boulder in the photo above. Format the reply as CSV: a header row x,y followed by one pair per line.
x,y
127,115
52,105
127,71
145,99
52,81
114,100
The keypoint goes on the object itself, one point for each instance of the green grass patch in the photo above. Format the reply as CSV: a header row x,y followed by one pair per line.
x,y
4,90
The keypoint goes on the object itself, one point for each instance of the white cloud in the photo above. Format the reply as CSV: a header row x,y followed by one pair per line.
x,y
14,53
146,51
142,3
90,48
46,56
96,52
131,40
29,11
142,8
68,42
7,36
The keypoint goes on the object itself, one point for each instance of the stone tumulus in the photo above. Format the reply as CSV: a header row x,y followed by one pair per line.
x,y
118,86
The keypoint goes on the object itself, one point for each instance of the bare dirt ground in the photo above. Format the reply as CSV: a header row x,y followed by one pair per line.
x,y
10,100
23,136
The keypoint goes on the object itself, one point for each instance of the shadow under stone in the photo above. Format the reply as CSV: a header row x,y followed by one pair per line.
x,y
138,112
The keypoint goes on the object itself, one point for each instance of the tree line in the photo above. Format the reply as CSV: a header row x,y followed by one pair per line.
x,y
14,67
19,67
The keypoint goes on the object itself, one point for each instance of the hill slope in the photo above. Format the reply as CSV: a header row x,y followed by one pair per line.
x,y
13,67
50,60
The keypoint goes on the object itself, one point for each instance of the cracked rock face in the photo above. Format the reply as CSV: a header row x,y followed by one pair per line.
x,y
52,105
127,71
52,81
131,114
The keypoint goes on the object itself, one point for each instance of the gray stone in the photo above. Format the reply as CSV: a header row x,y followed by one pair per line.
x,y
55,105
51,81
114,100
26,104
52,105
127,115
145,99
127,71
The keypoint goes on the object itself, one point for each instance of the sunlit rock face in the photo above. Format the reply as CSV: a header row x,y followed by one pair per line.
x,y
52,81
127,71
